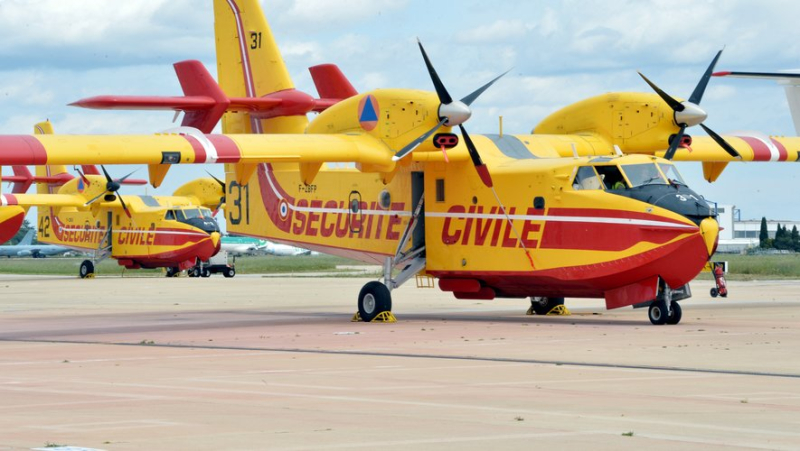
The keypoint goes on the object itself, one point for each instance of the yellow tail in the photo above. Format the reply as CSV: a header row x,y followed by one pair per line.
x,y
249,64
46,128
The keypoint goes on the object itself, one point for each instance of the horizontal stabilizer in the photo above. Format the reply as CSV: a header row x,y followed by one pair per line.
x,y
790,82
204,102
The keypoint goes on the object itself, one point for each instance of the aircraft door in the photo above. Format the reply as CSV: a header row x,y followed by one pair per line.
x,y
417,191
354,214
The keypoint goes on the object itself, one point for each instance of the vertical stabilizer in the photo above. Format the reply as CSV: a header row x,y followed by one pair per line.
x,y
27,240
249,64
46,128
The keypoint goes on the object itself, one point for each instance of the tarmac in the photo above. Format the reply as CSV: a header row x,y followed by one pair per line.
x,y
275,363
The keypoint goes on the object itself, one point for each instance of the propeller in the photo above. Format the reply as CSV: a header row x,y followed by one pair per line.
x,y
112,186
451,113
221,199
689,113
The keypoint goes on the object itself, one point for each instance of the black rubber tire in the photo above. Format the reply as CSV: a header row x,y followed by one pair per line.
x,y
714,292
229,272
172,271
543,305
658,313
205,272
724,295
675,314
192,272
374,299
87,269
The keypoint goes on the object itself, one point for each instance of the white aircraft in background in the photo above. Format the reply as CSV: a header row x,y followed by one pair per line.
x,y
284,250
25,249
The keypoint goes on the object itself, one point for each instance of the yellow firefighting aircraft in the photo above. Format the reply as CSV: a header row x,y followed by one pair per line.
x,y
586,206
88,214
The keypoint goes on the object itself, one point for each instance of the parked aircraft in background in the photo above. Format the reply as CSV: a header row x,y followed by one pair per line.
x,y
241,245
26,248
284,250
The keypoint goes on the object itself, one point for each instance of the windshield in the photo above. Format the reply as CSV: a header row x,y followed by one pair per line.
x,y
643,174
191,213
672,174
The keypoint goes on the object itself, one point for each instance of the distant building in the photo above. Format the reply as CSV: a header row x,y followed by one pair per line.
x,y
737,234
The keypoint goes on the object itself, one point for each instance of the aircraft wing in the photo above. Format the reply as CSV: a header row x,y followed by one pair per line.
x,y
42,200
187,148
751,146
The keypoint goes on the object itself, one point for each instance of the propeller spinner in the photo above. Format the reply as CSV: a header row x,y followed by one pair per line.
x,y
689,113
112,186
451,113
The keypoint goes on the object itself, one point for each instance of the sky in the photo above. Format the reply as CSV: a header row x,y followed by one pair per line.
x,y
53,52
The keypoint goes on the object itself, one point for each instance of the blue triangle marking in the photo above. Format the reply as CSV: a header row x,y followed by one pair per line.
x,y
368,114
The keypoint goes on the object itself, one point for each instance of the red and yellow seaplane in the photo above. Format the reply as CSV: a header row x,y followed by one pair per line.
x,y
87,213
588,205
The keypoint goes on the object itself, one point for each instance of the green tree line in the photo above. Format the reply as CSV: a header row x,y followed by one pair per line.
x,y
784,239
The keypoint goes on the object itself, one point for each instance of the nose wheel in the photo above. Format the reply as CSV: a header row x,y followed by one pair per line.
x,y
665,310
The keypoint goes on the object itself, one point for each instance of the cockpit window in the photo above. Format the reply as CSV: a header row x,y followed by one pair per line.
x,y
612,177
643,174
170,215
586,178
206,212
192,213
672,174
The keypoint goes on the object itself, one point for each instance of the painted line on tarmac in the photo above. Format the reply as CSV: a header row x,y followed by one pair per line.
x,y
676,369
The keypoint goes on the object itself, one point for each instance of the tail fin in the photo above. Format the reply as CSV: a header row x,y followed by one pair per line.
x,y
28,238
790,82
249,64
46,128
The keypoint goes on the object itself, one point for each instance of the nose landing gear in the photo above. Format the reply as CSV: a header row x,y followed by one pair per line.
x,y
665,309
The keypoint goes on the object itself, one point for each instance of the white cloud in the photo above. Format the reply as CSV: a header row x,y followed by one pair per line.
x,y
497,32
338,13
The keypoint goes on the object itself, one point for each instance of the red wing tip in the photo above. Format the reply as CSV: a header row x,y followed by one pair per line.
x,y
721,74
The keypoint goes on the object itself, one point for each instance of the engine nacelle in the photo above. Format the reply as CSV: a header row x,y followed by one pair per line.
x,y
637,122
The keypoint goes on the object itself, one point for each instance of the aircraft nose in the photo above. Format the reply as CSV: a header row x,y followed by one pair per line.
x,y
709,228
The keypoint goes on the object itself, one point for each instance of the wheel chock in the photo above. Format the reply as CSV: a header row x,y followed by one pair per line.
x,y
382,317
89,276
560,310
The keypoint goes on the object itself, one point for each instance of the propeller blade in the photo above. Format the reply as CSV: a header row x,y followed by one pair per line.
x,y
722,143
108,177
124,178
674,104
124,207
441,91
697,95
95,198
483,171
471,98
675,143
221,183
415,143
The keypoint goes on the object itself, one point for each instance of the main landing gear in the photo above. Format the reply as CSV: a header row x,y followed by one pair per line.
x,y
87,269
547,306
